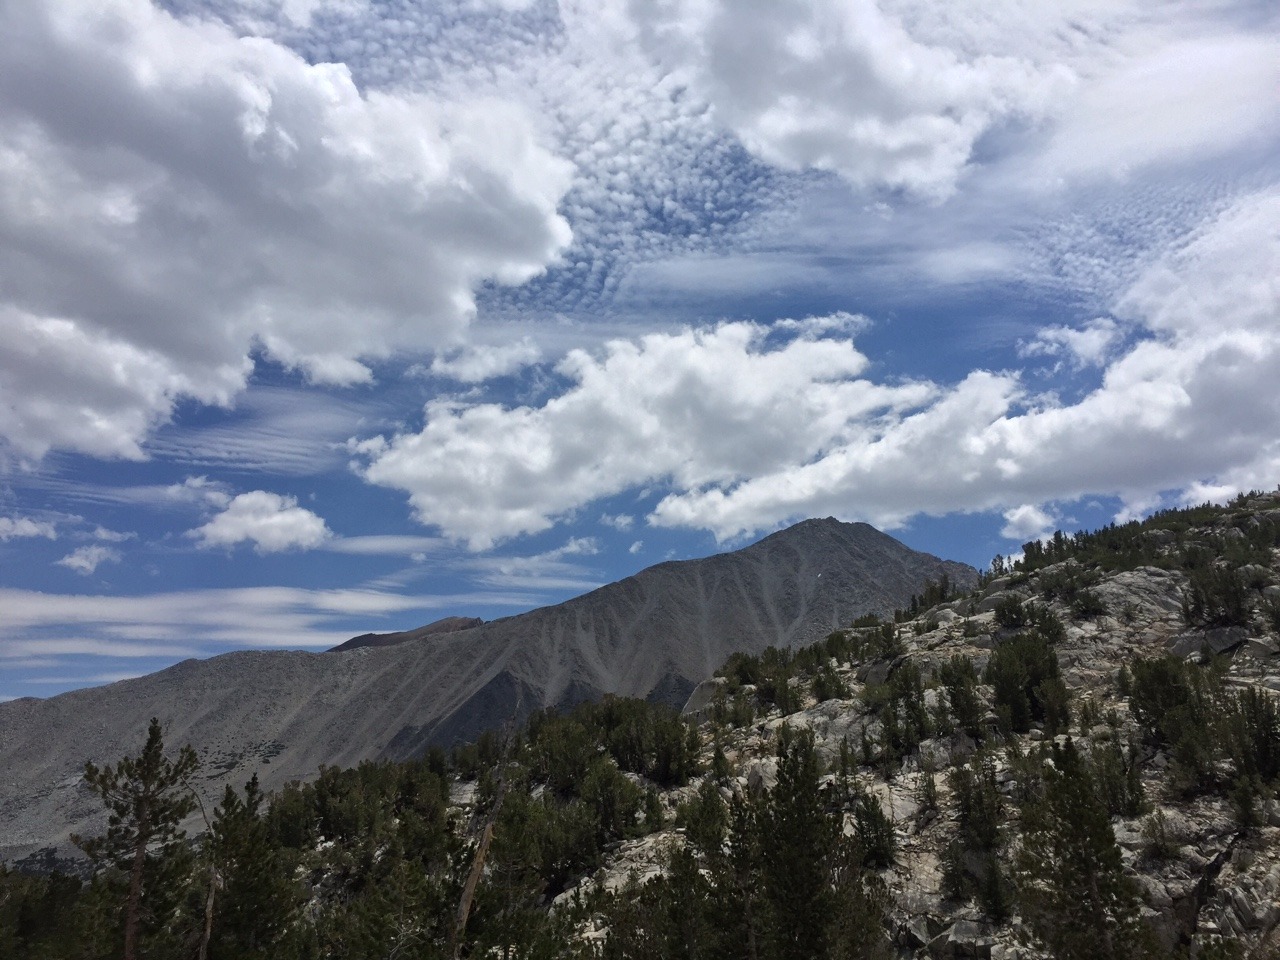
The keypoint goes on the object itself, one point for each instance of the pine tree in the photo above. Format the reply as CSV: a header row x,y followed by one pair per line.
x,y
148,797
799,838
1073,889
257,900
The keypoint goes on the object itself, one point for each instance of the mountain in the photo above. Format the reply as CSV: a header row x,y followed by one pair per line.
x,y
283,714
1079,758
447,625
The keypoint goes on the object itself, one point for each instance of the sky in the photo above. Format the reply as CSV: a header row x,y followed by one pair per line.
x,y
321,317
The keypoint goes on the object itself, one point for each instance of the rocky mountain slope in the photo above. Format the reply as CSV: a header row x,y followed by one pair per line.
x,y
284,714
1160,695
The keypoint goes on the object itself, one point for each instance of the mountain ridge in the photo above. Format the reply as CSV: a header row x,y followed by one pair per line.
x,y
283,714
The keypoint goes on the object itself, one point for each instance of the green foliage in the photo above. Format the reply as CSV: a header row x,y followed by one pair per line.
x,y
967,710
1179,705
972,865
257,901
904,719
1159,540
1072,889
934,593
143,851
648,739
1066,581
616,802
767,876
1086,604
1216,597
468,760
794,861
1117,778
34,912
1252,724
1271,610
875,643
1027,685
704,819
873,832
1161,843
1011,612
827,684
770,673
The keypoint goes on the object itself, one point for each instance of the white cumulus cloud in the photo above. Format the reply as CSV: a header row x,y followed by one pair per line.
x,y
1084,346
843,85
1191,403
696,406
269,521
12,528
173,195
1027,522
86,560
749,430
479,363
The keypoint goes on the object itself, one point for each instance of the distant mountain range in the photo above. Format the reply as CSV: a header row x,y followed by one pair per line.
x,y
283,714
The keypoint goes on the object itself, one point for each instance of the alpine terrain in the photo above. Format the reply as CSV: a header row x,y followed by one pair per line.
x,y
282,715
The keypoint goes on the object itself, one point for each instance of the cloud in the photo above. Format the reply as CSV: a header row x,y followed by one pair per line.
x,y
46,647
621,522
111,676
636,547
275,430
479,363
12,528
1026,522
204,622
272,523
1191,402
1087,346
749,430
390,545
112,536
844,86
841,322
696,406
1182,100
85,560
550,570
173,195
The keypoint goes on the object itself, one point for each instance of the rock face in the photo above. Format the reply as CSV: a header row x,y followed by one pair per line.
x,y
1203,877
283,714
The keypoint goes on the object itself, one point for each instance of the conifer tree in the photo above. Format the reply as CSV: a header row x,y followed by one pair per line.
x,y
1073,889
148,797
799,838
257,899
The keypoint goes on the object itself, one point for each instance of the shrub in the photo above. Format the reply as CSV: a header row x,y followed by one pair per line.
x,y
1027,685
1087,604
960,680
1215,597
1011,613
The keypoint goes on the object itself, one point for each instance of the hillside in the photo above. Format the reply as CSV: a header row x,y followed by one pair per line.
x,y
283,715
1078,759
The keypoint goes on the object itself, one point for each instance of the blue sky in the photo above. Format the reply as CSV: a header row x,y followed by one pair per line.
x,y
320,317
